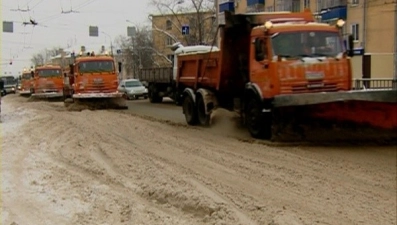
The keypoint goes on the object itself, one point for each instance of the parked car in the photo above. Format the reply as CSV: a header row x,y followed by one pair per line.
x,y
133,89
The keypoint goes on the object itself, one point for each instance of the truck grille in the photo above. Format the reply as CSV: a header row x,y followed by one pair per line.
x,y
315,86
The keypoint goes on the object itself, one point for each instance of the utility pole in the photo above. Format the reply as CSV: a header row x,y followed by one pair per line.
x,y
218,42
395,41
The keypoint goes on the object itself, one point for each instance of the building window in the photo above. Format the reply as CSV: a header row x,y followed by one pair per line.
x,y
296,6
168,25
306,4
318,5
355,32
354,2
169,41
270,8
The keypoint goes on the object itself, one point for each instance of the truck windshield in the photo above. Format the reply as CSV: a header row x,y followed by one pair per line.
x,y
96,66
133,84
307,44
49,73
26,76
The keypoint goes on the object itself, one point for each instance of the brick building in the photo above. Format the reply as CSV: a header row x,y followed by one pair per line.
x,y
188,28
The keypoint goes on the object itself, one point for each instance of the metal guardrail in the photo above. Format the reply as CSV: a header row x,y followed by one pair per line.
x,y
374,84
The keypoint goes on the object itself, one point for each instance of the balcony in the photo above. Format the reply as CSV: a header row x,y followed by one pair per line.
x,y
255,2
338,12
226,6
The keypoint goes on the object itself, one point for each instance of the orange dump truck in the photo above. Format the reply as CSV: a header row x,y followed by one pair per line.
x,y
93,80
26,80
47,82
279,61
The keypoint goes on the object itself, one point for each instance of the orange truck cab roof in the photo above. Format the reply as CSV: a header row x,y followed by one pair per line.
x,y
93,58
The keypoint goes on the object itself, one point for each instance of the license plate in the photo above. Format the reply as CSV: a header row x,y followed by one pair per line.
x,y
320,85
314,75
98,81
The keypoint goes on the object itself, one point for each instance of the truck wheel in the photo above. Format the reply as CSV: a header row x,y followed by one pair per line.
x,y
190,111
203,118
259,125
154,95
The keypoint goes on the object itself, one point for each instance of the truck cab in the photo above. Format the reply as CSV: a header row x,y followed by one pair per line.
x,y
294,57
47,79
92,74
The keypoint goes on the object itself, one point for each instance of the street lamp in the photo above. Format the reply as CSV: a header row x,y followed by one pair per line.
x,y
111,44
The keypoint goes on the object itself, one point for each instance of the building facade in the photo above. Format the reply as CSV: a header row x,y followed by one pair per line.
x,y
373,24
186,28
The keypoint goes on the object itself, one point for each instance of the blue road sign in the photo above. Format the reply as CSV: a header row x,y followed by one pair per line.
x,y
185,29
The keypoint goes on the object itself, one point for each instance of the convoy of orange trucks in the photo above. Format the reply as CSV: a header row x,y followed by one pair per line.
x,y
269,64
270,67
92,80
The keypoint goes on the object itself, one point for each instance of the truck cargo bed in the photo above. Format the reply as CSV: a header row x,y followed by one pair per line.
x,y
156,75
199,70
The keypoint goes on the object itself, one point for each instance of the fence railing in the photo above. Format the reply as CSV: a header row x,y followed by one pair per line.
x,y
370,83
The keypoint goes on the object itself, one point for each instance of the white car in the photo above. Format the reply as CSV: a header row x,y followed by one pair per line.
x,y
133,89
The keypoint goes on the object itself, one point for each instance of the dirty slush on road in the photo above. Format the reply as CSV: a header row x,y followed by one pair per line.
x,y
107,167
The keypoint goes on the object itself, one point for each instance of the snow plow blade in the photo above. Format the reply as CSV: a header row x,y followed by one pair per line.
x,y
355,115
25,93
49,96
96,101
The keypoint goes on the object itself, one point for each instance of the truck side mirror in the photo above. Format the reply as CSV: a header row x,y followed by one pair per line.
x,y
20,77
259,54
120,66
1,84
32,73
71,67
350,47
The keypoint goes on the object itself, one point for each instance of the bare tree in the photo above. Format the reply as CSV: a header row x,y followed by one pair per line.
x,y
45,55
136,52
198,14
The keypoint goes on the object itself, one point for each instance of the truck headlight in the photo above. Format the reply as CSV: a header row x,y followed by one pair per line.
x,y
145,90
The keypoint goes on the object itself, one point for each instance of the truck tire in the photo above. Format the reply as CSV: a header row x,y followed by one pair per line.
x,y
154,95
259,125
190,110
203,118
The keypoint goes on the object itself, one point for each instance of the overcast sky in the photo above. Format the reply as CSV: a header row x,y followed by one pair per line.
x,y
57,29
